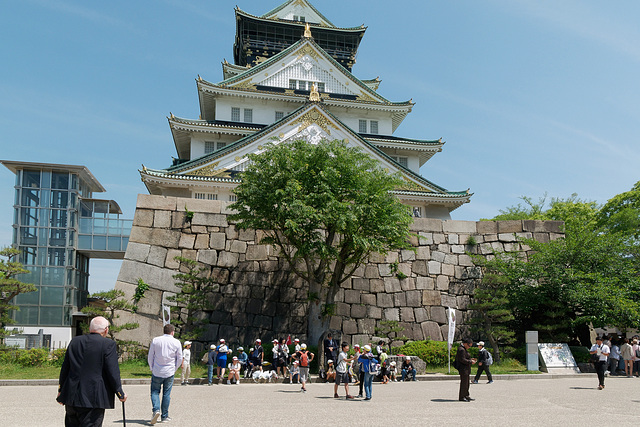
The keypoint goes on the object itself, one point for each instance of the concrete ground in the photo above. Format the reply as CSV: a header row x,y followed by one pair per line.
x,y
541,401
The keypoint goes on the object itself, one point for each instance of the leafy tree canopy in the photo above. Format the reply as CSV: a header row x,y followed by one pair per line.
x,y
10,286
326,207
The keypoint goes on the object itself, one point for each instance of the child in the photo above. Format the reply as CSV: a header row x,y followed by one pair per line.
x,y
304,358
221,359
393,372
342,376
331,372
384,368
294,373
234,370
186,363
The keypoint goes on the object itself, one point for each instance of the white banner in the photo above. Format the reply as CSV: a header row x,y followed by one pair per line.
x,y
451,314
166,315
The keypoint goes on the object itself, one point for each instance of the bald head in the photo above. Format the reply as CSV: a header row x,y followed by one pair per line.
x,y
99,325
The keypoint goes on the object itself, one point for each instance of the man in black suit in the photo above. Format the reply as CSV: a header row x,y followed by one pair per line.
x,y
90,377
330,349
464,362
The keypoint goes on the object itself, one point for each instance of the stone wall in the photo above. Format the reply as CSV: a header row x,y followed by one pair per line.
x,y
258,297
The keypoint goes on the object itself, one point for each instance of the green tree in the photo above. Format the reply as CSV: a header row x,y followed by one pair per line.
x,y
392,330
493,313
326,208
10,286
621,214
194,299
108,304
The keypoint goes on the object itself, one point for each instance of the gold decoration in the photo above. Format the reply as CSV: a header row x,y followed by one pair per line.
x,y
238,158
260,147
412,186
365,97
281,135
210,170
307,31
244,85
298,3
312,117
314,96
260,60
307,50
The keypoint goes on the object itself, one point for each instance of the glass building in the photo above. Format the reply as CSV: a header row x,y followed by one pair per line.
x,y
58,227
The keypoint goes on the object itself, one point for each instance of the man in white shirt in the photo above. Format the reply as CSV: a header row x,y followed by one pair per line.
x,y
341,371
602,352
165,357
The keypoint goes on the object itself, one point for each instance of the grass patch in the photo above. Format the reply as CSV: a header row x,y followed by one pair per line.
x,y
506,366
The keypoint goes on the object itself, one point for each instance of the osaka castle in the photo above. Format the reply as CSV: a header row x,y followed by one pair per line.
x,y
291,79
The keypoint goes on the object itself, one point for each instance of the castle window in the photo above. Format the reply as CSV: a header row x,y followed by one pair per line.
x,y
209,147
248,115
373,127
279,115
233,198
362,126
220,145
235,114
205,196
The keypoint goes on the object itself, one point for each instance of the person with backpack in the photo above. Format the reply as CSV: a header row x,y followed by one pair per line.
x,y
304,358
256,357
370,368
484,361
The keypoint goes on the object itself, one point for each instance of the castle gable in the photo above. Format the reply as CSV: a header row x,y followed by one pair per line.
x,y
300,11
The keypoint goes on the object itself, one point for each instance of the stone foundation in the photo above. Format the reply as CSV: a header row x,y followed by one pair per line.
x,y
258,297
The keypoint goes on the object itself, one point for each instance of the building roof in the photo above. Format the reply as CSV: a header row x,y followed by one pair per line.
x,y
82,171
272,14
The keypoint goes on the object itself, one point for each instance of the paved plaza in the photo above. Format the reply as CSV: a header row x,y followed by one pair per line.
x,y
524,402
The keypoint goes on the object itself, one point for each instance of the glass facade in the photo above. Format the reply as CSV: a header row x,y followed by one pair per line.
x,y
58,228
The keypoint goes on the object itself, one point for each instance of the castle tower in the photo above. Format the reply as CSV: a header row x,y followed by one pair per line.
x,y
268,94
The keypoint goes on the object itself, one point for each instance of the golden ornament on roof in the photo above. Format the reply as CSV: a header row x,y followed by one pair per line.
x,y
314,96
307,31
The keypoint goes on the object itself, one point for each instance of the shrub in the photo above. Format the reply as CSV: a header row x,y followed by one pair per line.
x,y
580,354
57,356
32,357
434,353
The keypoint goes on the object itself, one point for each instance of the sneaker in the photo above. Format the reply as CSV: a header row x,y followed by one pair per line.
x,y
359,396
183,383
209,384
367,398
349,397
490,382
154,418
229,382
166,420
474,382
335,396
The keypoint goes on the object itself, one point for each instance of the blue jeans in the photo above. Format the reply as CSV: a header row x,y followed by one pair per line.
x,y
368,380
411,372
166,384
210,373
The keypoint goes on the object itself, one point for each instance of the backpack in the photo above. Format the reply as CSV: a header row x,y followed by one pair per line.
x,y
374,368
304,358
205,358
489,360
455,365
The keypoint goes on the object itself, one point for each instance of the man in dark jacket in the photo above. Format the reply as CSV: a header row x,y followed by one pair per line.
x,y
483,363
330,348
90,377
464,362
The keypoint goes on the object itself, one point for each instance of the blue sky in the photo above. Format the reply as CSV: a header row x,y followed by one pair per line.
x,y
532,97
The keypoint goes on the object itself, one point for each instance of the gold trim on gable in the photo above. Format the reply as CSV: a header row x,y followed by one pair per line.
x,y
312,117
308,50
210,170
244,85
409,185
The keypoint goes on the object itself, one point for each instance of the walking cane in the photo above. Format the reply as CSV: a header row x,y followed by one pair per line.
x,y
124,420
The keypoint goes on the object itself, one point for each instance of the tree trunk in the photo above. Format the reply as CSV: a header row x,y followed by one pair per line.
x,y
316,325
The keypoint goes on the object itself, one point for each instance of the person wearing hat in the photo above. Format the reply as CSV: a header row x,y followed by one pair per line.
x,y
294,372
186,363
331,371
330,348
211,360
304,358
243,358
221,358
463,364
601,351
484,361
297,344
407,369
368,364
256,357
358,369
234,370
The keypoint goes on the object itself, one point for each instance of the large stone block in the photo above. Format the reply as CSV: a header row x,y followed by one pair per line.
x,y
209,219
238,246
419,267
463,302
170,260
352,296
208,256
227,259
147,201
514,226
431,330
426,224
187,241
162,219
421,314
349,327
391,314
430,298
448,270
407,315
258,252
157,256
360,284
392,284
374,312
407,255
366,326
425,239
449,301
434,267
400,299
335,323
358,311
137,251
143,218
425,283
385,270
384,300
202,241
423,253
438,314
442,282
371,272
269,266
414,298
368,299
376,285
156,277
408,284
507,237
487,227
343,309
452,226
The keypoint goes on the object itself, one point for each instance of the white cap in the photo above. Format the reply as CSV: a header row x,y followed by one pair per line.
x,y
258,340
213,346
481,343
186,343
240,348
367,347
295,362
296,340
408,357
235,358
275,340
329,361
221,339
393,363
303,346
